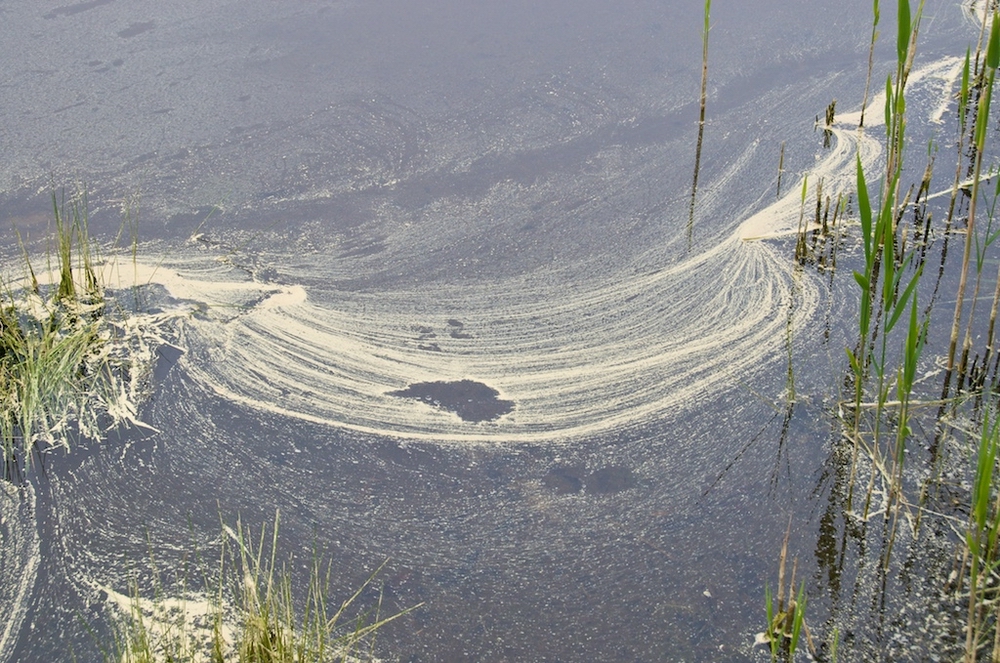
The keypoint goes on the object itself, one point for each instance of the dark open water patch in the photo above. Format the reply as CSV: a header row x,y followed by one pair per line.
x,y
575,479
470,400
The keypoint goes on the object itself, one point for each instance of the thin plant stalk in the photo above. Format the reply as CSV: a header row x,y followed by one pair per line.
x,y
701,115
871,58
905,379
781,166
982,121
981,536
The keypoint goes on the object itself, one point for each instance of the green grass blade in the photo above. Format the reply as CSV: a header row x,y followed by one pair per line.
x,y
963,97
864,210
900,305
986,461
855,364
798,618
993,50
903,36
888,103
983,116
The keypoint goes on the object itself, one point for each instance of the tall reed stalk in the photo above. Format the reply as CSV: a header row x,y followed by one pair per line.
x,y
981,542
871,60
701,115
979,142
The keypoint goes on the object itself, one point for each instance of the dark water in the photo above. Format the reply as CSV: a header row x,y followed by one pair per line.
x,y
447,201
471,401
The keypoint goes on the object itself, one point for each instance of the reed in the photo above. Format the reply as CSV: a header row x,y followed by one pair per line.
x,y
781,166
786,621
979,142
981,543
916,335
991,237
800,243
963,121
871,60
701,115
880,415
888,281
704,59
893,332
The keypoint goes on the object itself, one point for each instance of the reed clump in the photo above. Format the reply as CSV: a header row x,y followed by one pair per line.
x,y
888,419
888,282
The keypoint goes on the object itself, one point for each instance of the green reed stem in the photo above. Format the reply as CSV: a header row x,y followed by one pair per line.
x,y
982,121
981,537
701,117
871,58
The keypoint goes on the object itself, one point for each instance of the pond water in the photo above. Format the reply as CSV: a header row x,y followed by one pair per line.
x,y
442,298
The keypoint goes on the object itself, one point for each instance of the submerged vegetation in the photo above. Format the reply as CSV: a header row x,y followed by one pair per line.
x,y
248,613
920,462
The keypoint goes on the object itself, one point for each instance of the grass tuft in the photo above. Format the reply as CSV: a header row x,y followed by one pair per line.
x,y
253,614
71,364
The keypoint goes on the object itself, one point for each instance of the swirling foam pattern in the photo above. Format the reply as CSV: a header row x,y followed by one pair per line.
x,y
576,359
19,558
574,362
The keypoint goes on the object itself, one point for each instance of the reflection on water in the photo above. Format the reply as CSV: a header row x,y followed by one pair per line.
x,y
358,210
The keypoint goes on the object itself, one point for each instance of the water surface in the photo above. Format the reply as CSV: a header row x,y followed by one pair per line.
x,y
348,202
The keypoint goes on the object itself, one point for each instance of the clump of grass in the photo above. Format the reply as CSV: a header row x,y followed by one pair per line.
x,y
254,615
67,365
